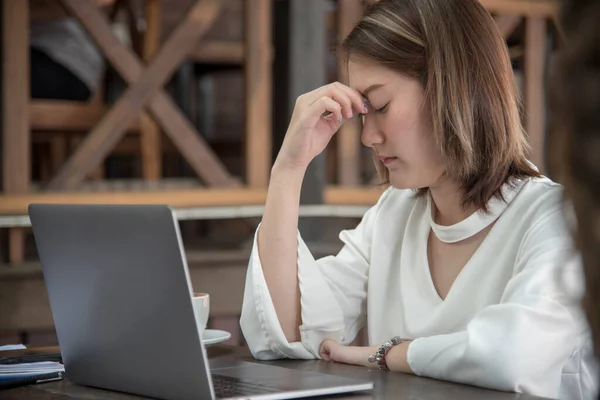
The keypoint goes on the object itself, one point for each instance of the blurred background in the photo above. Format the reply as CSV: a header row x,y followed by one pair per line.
x,y
186,102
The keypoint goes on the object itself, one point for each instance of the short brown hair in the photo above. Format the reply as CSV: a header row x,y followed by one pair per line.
x,y
455,49
575,138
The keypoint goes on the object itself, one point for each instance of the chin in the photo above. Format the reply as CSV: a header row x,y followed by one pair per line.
x,y
404,181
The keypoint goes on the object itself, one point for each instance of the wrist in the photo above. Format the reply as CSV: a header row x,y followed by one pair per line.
x,y
286,176
391,355
397,358
368,351
286,167
357,355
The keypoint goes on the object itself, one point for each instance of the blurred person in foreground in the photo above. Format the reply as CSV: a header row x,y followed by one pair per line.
x,y
575,142
454,269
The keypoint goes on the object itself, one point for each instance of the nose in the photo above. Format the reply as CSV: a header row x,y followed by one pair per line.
x,y
370,136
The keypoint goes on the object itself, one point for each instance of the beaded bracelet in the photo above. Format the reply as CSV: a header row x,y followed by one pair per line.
x,y
379,356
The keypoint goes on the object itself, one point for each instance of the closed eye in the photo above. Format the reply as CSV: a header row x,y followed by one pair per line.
x,y
382,109
378,111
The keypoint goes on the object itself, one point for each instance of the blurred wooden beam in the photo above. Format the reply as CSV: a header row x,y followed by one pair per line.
x,y
219,52
355,196
526,8
16,159
150,133
67,116
531,8
16,204
348,138
535,57
258,88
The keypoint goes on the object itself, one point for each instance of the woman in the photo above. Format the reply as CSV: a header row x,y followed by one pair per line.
x,y
454,269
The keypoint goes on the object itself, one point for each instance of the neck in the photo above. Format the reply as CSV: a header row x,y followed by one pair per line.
x,y
447,200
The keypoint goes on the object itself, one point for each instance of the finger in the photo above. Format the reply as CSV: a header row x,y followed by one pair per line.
x,y
359,103
343,99
338,96
350,99
328,108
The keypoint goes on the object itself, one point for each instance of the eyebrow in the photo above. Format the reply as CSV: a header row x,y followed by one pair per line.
x,y
370,89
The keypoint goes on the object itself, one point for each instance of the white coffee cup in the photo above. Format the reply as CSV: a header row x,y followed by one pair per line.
x,y
201,302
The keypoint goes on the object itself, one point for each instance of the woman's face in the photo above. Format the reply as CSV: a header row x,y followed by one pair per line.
x,y
397,126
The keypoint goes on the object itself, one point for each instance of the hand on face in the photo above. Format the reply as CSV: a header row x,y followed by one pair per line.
x,y
316,118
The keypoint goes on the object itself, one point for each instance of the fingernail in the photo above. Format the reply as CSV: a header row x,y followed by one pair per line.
x,y
341,118
365,109
351,115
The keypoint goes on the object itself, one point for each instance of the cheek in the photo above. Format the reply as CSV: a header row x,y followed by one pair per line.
x,y
412,140
427,153
408,133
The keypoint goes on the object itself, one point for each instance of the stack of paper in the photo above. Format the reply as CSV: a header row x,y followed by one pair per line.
x,y
8,347
16,371
12,371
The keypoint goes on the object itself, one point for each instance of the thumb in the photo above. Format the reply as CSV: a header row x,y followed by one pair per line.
x,y
324,352
325,355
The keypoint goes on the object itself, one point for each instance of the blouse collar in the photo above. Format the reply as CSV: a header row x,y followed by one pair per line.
x,y
477,221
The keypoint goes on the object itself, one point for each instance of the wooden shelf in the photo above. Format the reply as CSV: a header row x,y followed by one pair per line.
x,y
13,204
126,186
182,196
526,8
355,196
219,52
66,116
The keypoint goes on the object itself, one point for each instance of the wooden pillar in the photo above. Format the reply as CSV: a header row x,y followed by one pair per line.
x,y
258,86
15,113
348,138
150,134
535,55
307,62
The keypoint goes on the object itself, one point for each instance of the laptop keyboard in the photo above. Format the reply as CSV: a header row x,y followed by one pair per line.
x,y
227,386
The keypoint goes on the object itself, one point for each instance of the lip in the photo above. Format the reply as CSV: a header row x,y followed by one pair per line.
x,y
387,160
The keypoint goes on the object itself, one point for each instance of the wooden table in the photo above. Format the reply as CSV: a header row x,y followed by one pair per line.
x,y
388,385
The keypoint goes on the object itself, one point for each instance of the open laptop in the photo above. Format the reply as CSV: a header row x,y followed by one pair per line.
x,y
121,298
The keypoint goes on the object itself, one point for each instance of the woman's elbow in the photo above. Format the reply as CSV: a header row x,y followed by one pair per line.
x,y
522,372
257,343
264,354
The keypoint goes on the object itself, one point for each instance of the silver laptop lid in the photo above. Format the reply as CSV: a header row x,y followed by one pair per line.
x,y
124,319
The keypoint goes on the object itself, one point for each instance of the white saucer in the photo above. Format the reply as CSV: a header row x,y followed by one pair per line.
x,y
214,336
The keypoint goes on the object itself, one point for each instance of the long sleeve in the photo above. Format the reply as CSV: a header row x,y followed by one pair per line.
x,y
522,343
333,293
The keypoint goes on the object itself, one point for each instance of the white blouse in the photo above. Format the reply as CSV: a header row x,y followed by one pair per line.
x,y
510,321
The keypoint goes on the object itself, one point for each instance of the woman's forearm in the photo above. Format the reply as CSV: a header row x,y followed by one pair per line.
x,y
278,247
